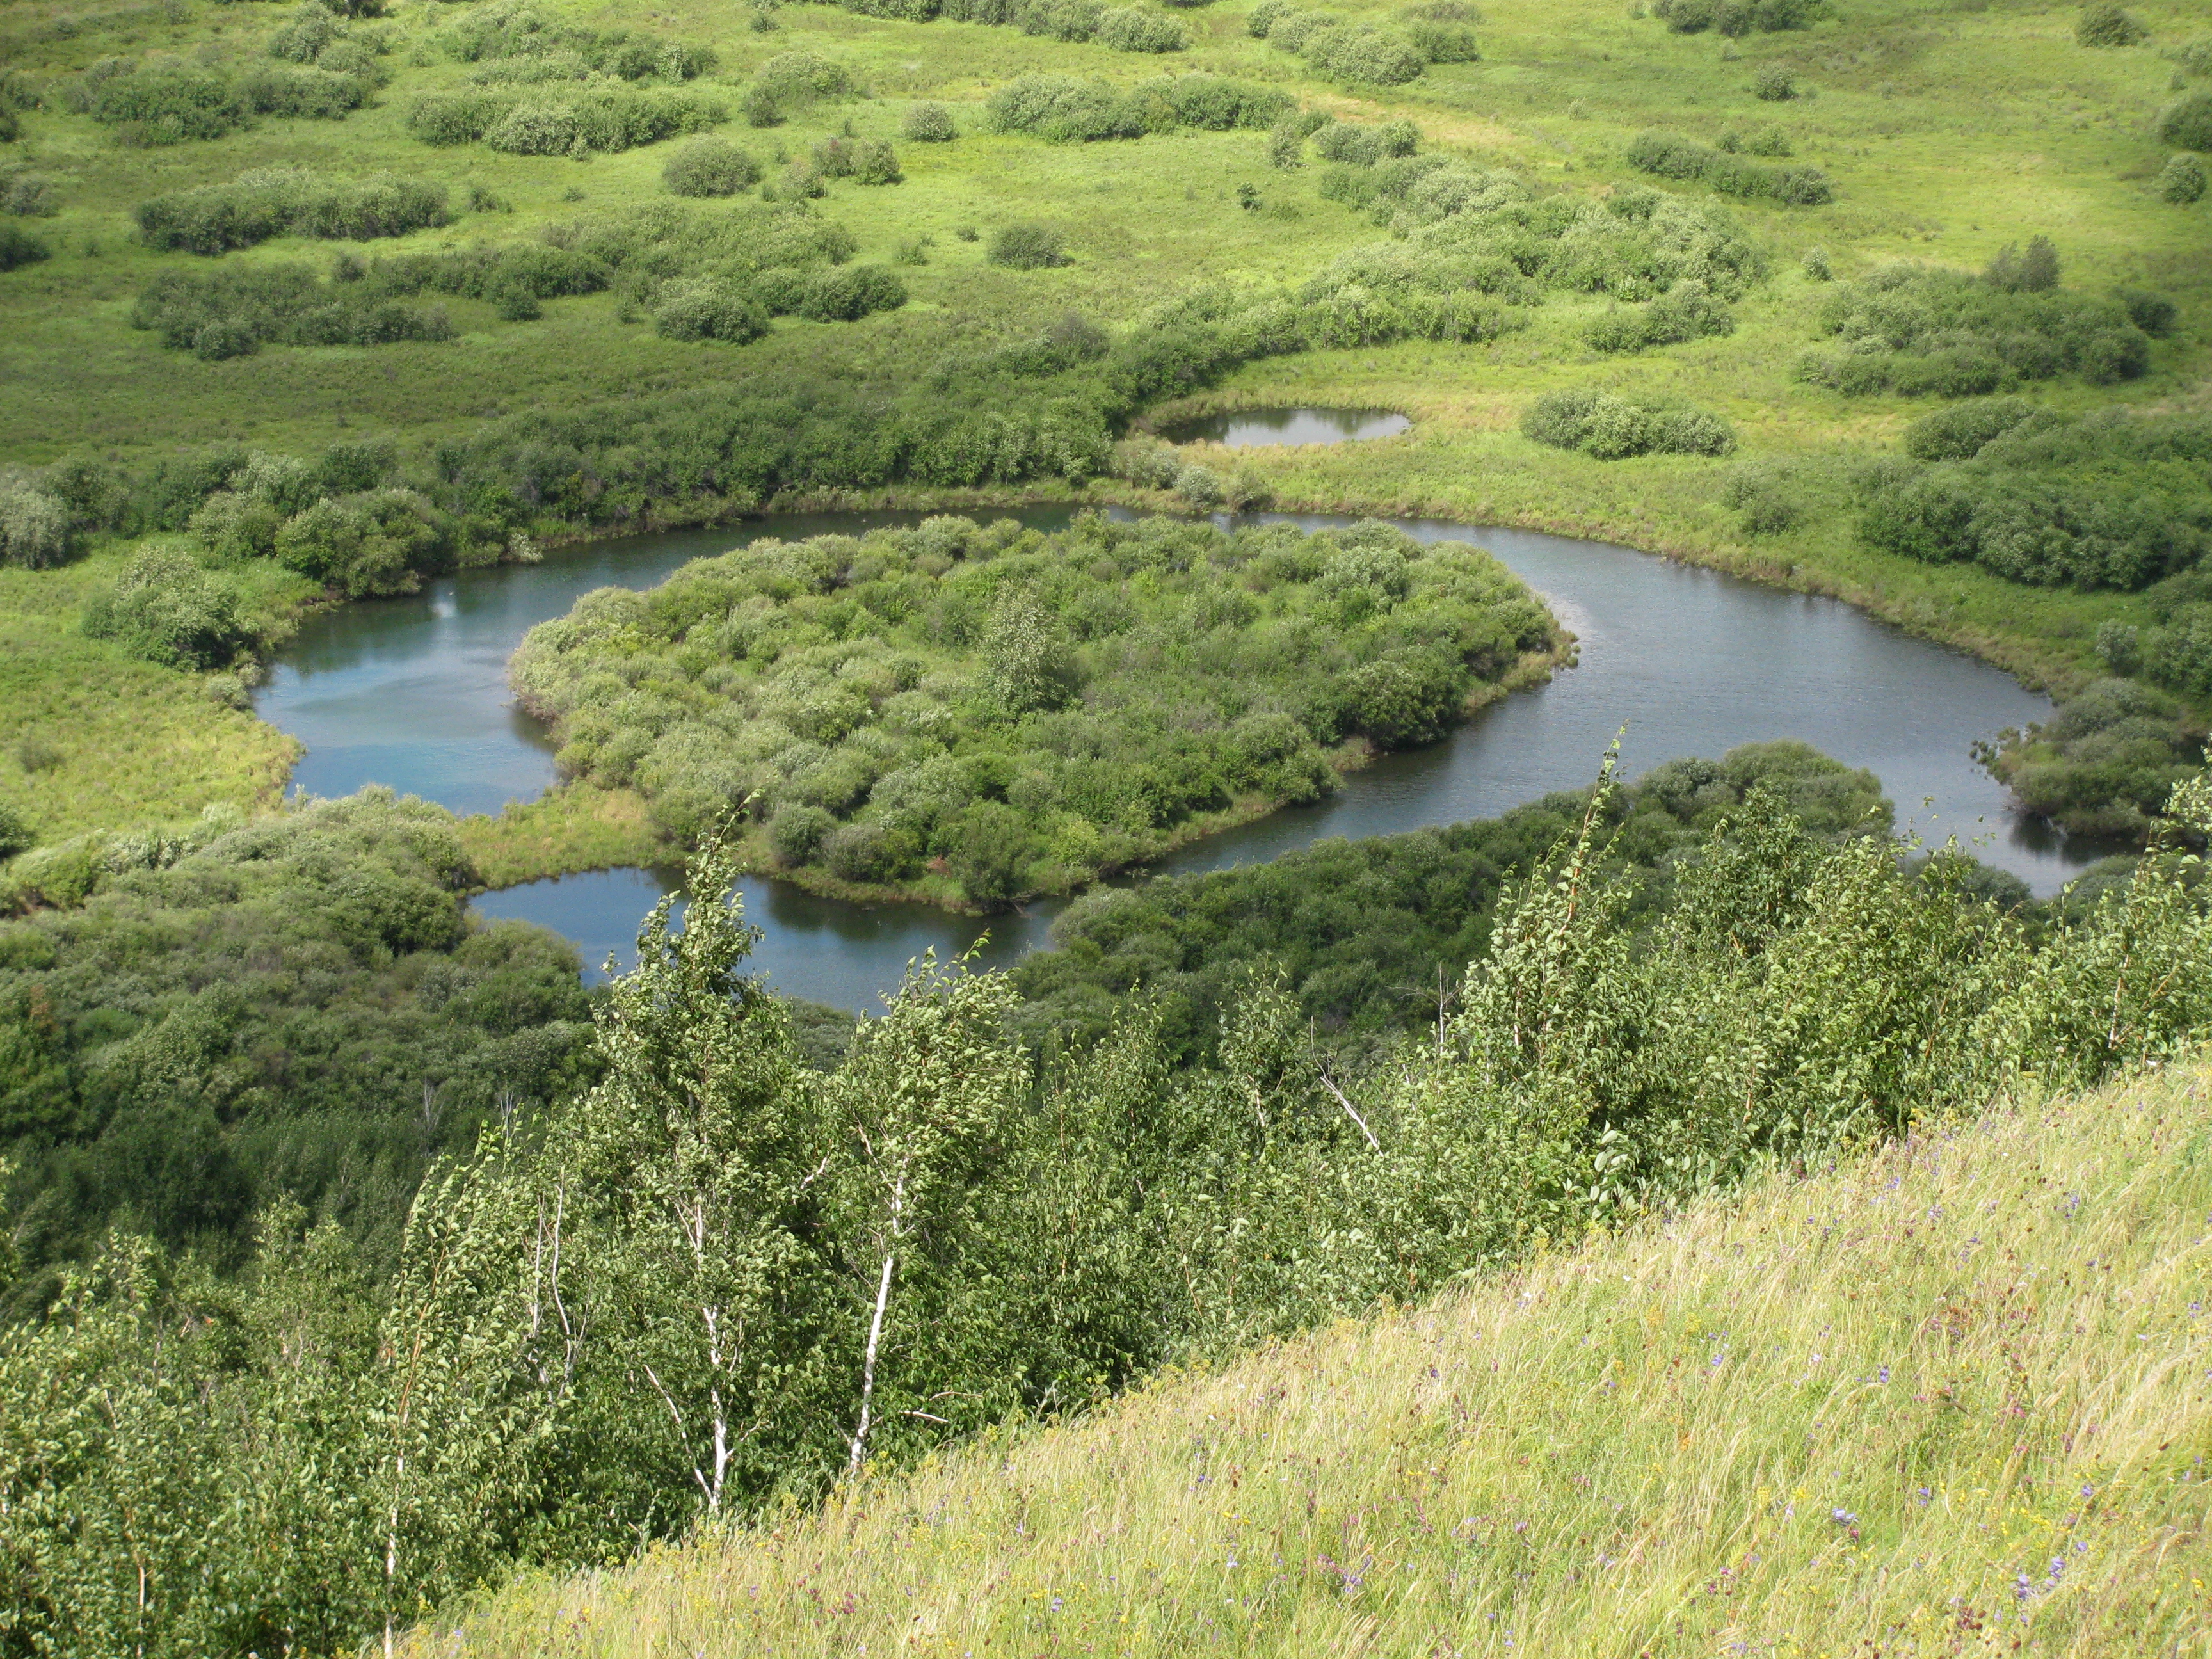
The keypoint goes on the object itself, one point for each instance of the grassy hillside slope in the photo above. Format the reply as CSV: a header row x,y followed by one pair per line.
x,y
1948,1398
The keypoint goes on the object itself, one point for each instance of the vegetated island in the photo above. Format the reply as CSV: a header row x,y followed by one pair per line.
x,y
968,714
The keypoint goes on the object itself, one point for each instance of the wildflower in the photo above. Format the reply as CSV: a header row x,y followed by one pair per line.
x,y
2088,1491
1885,1373
1842,1517
1057,1601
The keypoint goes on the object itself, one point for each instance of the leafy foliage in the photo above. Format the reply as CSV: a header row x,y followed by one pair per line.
x,y
1670,157
1739,17
516,33
287,201
166,101
2104,765
297,1005
1915,332
1063,110
2106,23
552,123
2105,501
165,606
714,1279
236,309
1609,427
2175,649
987,713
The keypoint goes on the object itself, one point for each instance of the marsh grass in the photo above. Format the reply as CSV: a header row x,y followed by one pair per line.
x,y
1947,1397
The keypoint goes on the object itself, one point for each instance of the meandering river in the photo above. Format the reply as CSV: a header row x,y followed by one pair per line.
x,y
412,692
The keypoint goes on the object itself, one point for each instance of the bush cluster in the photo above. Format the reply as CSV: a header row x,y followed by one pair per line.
x,y
2105,500
168,608
2181,180
232,312
928,124
28,195
319,35
710,167
516,33
1739,17
1063,110
1610,428
551,123
289,202
203,1021
1686,311
997,711
2105,23
714,1248
167,102
1362,52
2186,123
35,524
1356,928
2104,765
1027,248
2175,649
1911,332
1122,29
18,246
1670,157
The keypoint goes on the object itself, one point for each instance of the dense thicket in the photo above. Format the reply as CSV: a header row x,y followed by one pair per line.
x,y
236,309
2175,649
2109,500
1065,110
1122,28
287,201
1739,17
716,1279
166,101
1609,427
1363,53
1916,332
295,1005
2103,766
981,714
553,121
515,40
1727,172
1368,935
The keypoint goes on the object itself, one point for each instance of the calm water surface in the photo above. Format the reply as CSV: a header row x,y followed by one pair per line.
x,y
1256,428
412,693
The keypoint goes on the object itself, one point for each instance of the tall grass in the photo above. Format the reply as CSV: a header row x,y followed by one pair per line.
x,y
1948,1397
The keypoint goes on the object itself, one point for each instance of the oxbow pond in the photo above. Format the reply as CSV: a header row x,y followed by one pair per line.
x,y
412,693
1261,429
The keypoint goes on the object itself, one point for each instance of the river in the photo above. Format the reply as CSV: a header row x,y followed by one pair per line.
x,y
411,692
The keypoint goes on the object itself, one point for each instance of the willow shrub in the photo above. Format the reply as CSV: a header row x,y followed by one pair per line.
x,y
287,201
989,712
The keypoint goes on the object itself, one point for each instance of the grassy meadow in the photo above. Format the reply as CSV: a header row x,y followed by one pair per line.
x,y
1947,1397
1949,130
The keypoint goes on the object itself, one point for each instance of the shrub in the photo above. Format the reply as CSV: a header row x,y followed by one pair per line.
x,y
795,80
1608,429
848,294
2181,180
1027,248
2034,272
1774,84
1358,145
294,90
2105,24
163,104
928,124
229,312
1131,28
709,166
16,835
797,831
1816,266
1961,431
167,609
28,196
34,525
1672,157
864,161
287,201
19,247
1762,501
711,311
2186,123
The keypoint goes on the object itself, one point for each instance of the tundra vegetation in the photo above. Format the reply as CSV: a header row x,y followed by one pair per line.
x,y
326,1309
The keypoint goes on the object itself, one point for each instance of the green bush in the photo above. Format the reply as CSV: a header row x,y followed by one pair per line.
x,y
159,103
2032,271
1132,28
562,123
166,607
848,294
301,93
20,248
709,166
1739,17
2104,765
1686,311
2105,24
287,201
864,161
2181,180
1027,248
1672,157
16,835
1610,428
1774,84
34,524
2186,123
1762,501
28,196
797,80
928,124
711,312
231,312
1916,332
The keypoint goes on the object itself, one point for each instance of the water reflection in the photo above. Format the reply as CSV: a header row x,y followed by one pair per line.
x,y
1257,428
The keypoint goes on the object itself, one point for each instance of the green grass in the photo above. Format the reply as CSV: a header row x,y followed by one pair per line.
x,y
1949,130
96,739
1850,1414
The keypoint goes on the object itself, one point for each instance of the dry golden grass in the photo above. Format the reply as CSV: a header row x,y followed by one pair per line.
x,y
1949,1397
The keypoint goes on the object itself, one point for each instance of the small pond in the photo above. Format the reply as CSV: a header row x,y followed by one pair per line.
x,y
1255,429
